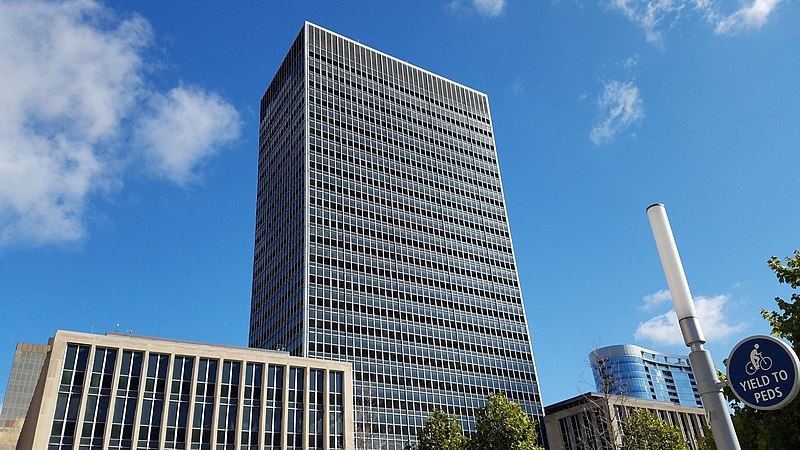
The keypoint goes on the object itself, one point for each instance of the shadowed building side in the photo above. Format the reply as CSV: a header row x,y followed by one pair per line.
x,y
25,370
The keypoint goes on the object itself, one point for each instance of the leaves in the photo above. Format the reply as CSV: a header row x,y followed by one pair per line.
x,y
441,432
706,442
786,324
777,429
788,273
503,425
644,431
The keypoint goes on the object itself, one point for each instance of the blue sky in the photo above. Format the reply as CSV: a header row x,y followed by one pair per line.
x,y
128,150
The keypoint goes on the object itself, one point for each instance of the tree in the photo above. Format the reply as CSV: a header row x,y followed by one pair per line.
x,y
603,419
706,442
786,324
597,414
644,431
503,425
441,432
369,434
777,429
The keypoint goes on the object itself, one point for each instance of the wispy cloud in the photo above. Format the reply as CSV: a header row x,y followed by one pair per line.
x,y
655,17
753,16
664,329
518,86
489,8
486,8
655,299
620,106
631,62
650,15
73,91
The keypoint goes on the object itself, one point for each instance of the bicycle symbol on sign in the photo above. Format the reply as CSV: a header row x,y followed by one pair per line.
x,y
757,361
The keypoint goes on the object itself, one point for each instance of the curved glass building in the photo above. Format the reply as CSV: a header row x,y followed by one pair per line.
x,y
634,371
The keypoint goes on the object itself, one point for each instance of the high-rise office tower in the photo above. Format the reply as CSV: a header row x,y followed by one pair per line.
x,y
382,238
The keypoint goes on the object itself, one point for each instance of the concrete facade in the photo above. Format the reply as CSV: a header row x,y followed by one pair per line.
x,y
120,391
594,421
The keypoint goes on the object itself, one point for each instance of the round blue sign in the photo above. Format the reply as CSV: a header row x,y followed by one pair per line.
x,y
763,372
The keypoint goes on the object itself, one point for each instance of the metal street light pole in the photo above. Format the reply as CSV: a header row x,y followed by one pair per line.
x,y
708,384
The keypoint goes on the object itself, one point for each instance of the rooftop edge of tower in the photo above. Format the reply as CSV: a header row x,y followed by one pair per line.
x,y
311,24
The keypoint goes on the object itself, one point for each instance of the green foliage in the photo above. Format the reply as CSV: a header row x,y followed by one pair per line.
x,y
644,431
768,430
777,429
441,432
706,442
786,324
500,425
503,425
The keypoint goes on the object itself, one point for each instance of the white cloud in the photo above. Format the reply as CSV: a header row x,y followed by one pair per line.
x,y
64,87
489,8
72,86
184,130
664,329
518,86
656,16
620,106
631,62
655,299
651,15
747,17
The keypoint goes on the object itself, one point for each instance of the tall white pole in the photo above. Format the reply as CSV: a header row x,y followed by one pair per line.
x,y
708,384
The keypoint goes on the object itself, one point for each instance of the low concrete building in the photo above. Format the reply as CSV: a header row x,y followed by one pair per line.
x,y
594,421
120,391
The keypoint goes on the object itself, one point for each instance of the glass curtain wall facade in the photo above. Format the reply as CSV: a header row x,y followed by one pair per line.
x,y
382,238
634,371
25,370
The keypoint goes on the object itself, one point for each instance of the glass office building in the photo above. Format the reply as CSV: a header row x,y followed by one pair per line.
x,y
25,370
382,238
633,371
